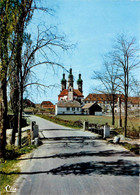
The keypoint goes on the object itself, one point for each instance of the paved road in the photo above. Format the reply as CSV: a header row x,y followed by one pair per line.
x,y
74,162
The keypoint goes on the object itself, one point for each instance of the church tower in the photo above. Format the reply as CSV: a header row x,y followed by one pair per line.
x,y
70,85
63,83
80,84
70,79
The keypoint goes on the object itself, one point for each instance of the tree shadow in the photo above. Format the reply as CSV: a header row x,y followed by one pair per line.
x,y
58,129
116,168
107,153
73,138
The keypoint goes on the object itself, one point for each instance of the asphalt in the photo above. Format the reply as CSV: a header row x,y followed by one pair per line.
x,y
77,162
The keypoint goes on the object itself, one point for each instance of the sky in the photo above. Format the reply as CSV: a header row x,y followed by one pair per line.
x,y
92,25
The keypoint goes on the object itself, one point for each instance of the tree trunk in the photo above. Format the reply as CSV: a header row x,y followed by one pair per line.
x,y
113,106
4,118
20,115
125,119
15,108
120,120
15,127
3,79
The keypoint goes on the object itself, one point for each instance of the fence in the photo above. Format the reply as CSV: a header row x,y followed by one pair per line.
x,y
103,130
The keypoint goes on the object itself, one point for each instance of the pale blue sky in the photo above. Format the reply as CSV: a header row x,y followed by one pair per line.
x,y
92,24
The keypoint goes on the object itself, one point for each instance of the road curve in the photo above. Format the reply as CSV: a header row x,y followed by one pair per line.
x,y
74,162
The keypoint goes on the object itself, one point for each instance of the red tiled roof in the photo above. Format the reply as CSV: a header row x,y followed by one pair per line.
x,y
101,97
108,97
65,93
49,106
134,100
78,93
46,103
98,97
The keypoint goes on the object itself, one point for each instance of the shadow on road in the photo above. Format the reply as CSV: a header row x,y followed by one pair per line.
x,y
116,168
72,138
106,153
120,167
58,129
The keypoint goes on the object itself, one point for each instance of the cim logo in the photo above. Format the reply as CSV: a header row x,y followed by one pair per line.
x,y
8,188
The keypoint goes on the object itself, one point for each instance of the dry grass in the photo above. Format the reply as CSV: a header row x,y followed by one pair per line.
x,y
133,122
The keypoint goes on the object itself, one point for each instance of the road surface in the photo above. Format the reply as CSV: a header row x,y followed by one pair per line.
x,y
76,162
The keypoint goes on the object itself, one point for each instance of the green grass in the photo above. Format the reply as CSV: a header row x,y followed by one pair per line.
x,y
7,179
132,121
76,121
9,167
132,147
67,123
133,128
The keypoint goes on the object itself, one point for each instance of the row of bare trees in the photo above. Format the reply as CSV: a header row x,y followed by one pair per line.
x,y
118,75
18,58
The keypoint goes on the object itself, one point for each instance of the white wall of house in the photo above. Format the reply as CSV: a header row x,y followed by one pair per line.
x,y
65,110
64,97
98,113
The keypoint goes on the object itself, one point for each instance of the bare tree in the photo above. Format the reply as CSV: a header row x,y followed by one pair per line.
x,y
47,42
108,83
125,56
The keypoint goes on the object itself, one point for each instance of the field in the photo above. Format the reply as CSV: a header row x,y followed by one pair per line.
x,y
133,122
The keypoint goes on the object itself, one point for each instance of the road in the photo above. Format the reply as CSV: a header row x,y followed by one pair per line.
x,y
76,162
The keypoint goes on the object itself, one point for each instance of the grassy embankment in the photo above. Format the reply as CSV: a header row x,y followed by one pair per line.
x,y
76,121
9,168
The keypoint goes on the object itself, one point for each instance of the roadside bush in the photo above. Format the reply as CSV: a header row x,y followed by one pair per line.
x,y
133,133
12,152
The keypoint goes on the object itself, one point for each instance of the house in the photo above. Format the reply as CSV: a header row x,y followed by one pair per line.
x,y
92,109
68,107
28,103
134,103
48,105
105,101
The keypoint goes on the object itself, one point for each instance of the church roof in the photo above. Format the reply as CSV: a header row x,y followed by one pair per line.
x,y
65,92
78,93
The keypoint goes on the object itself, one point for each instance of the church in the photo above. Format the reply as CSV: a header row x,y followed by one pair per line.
x,y
70,99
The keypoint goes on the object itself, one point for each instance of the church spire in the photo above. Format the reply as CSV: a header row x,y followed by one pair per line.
x,y
80,84
70,79
63,82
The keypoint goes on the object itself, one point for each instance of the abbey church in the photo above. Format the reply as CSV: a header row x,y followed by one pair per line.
x,y
70,94
70,99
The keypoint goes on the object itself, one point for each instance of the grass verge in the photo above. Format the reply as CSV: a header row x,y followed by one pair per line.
x,y
10,166
132,147
67,123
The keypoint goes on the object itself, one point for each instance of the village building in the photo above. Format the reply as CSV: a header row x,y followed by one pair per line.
x,y
28,103
134,103
92,109
68,107
105,101
47,105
